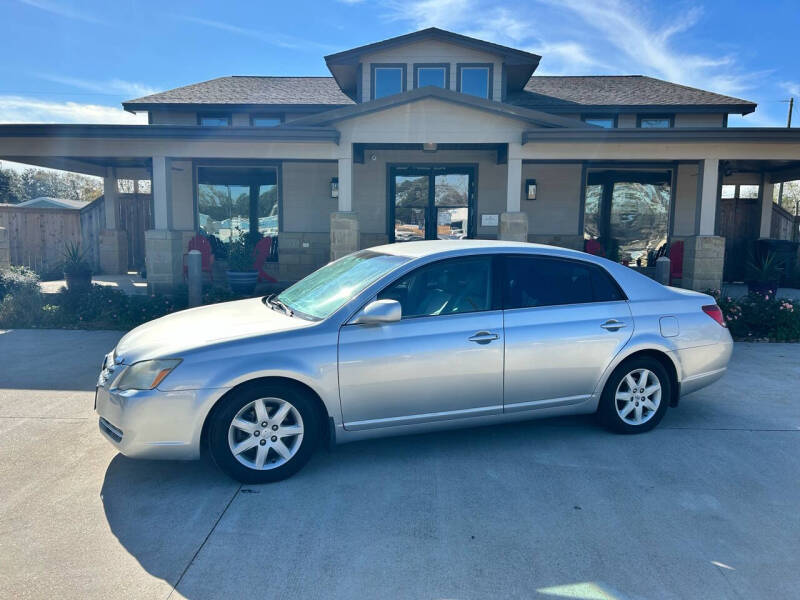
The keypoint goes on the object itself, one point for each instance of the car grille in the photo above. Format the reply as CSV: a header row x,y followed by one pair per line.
x,y
115,433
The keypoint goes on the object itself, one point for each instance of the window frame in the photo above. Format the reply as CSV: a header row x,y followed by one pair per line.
x,y
254,116
444,66
506,258
490,81
214,115
613,116
373,67
495,284
669,117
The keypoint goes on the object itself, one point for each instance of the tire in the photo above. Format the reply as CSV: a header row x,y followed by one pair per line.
x,y
265,453
624,408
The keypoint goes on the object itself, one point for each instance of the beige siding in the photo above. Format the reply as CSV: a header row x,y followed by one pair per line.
x,y
306,196
625,120
685,200
431,52
240,120
699,120
370,184
182,196
556,210
167,117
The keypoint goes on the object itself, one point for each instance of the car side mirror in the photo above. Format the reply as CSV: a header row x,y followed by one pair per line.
x,y
378,312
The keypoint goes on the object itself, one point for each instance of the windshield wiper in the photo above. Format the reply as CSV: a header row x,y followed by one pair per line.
x,y
274,302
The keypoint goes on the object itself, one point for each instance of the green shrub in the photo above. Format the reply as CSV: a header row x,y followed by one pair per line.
x,y
762,317
17,278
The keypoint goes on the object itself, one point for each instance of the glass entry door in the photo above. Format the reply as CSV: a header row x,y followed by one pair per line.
x,y
429,203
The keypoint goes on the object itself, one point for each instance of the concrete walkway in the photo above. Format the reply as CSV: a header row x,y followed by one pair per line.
x,y
703,507
130,283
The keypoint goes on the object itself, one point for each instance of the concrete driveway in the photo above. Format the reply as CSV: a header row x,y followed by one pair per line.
x,y
705,506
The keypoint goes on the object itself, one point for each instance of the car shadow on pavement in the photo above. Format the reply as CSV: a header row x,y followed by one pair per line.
x,y
173,515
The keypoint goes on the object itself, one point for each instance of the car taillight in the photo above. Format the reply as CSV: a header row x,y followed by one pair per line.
x,y
715,312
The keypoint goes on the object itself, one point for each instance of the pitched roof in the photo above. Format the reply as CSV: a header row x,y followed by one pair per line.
x,y
48,202
540,118
249,90
613,91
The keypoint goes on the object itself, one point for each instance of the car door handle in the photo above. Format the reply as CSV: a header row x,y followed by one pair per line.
x,y
483,337
613,325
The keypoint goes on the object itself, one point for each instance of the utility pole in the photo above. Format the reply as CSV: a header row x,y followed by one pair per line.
x,y
780,186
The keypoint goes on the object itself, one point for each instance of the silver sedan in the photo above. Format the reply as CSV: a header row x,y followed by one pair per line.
x,y
407,338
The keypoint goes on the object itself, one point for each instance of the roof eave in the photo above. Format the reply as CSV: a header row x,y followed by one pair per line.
x,y
677,134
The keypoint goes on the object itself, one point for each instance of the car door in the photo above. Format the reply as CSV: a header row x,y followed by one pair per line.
x,y
442,360
565,320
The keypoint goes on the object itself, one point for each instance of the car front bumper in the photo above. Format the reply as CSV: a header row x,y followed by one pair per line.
x,y
153,423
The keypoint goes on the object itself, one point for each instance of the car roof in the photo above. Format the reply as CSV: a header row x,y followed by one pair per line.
x,y
432,247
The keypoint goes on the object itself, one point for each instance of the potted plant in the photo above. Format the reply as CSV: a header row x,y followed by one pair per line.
x,y
764,273
77,271
242,275
219,267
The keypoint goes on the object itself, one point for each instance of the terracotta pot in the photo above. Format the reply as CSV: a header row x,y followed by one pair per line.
x,y
243,282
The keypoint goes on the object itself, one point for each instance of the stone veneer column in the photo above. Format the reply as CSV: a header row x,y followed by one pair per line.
x,y
113,251
703,260
164,259
513,227
5,249
344,234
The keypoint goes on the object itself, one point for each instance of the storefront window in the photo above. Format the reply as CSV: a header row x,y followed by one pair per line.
x,y
234,201
627,213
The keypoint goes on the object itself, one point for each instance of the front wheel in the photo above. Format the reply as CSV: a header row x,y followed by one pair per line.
x,y
264,434
636,396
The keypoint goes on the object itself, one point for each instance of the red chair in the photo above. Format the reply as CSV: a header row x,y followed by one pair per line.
x,y
594,247
262,252
675,261
200,243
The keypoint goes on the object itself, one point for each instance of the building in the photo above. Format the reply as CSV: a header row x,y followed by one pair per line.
x,y
426,135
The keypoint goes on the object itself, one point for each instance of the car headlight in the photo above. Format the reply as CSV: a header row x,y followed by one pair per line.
x,y
146,374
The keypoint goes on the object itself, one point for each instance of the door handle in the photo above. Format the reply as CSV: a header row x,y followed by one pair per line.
x,y
613,325
483,337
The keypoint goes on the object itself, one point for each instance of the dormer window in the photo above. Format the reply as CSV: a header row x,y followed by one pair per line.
x,y
475,79
607,121
437,75
214,120
655,121
388,79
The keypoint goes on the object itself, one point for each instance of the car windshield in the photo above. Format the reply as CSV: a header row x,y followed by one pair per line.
x,y
328,288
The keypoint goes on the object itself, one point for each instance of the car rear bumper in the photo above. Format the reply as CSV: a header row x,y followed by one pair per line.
x,y
703,365
152,423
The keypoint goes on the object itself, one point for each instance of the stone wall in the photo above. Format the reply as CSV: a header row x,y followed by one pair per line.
x,y
703,259
301,253
164,258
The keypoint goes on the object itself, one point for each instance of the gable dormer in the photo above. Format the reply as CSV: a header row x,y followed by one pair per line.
x,y
431,57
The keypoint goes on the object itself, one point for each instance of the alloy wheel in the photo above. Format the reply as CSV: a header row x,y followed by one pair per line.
x,y
266,433
638,397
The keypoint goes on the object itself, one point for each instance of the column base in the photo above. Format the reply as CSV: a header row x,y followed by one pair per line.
x,y
703,260
164,260
513,227
344,234
113,251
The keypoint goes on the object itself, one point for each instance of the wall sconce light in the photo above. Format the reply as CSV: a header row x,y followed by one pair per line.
x,y
530,189
335,187
429,147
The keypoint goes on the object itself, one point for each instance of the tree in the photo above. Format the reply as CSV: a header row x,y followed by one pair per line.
x,y
33,183
791,196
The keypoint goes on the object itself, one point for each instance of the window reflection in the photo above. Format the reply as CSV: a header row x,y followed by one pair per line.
x,y
627,215
234,201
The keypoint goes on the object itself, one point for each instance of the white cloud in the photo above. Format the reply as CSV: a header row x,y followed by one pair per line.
x,y
21,109
110,87
793,89
62,10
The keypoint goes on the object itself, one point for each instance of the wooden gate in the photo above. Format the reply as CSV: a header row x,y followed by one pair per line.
x,y
135,215
740,220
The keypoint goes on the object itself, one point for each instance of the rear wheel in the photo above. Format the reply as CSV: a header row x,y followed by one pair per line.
x,y
636,396
264,433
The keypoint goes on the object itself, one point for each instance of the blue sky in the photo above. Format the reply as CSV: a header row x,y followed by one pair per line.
x,y
71,61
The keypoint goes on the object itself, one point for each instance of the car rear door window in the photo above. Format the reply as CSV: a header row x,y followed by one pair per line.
x,y
544,281
452,286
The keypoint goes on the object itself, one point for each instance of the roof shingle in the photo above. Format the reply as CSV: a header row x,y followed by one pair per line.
x,y
543,91
244,89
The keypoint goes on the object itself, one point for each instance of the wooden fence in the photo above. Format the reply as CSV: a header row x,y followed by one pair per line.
x,y
37,236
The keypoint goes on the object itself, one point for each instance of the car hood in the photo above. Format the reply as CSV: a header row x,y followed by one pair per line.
x,y
173,334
